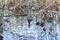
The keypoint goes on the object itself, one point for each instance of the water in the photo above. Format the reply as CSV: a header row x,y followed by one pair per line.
x,y
19,30
25,33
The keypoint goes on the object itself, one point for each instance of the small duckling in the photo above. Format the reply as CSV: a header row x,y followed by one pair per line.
x,y
37,23
42,24
49,19
44,29
1,37
51,29
29,19
7,21
1,24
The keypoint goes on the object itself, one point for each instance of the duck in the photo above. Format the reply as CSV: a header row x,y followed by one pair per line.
x,y
1,24
44,29
29,19
40,23
1,37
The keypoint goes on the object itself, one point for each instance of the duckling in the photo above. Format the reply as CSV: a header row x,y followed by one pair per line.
x,y
37,23
29,19
1,37
44,29
42,24
7,21
49,19
0,24
51,29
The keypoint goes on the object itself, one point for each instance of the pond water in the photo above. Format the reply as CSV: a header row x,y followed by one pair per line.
x,y
17,29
